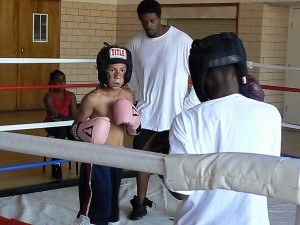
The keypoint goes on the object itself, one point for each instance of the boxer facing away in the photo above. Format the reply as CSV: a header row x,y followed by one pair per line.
x,y
105,114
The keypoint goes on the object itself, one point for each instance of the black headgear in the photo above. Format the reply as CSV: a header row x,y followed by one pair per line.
x,y
112,54
213,51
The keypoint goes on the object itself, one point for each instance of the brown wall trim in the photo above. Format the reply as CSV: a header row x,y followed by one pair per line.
x,y
209,5
200,5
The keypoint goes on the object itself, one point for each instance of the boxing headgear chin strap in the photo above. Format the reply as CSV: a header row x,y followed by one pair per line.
x,y
213,51
112,54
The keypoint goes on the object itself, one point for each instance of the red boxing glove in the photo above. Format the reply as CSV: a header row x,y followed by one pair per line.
x,y
94,130
125,113
254,89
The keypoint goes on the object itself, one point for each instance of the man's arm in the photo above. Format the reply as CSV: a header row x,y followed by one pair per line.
x,y
177,139
134,81
134,85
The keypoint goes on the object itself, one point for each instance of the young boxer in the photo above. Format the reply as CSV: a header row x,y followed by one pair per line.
x,y
103,117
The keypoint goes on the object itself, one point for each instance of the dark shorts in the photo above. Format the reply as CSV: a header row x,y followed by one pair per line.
x,y
99,193
152,141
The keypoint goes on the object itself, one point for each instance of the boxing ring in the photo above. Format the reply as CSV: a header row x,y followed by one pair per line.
x,y
274,177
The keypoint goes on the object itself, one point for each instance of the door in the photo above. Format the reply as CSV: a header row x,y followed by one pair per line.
x,y
8,49
291,110
36,74
18,15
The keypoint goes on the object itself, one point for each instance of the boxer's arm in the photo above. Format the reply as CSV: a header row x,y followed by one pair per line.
x,y
85,110
73,106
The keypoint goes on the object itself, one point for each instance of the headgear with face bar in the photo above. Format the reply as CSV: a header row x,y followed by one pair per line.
x,y
213,51
113,54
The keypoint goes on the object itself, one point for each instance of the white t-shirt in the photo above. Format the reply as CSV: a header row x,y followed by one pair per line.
x,y
230,124
160,77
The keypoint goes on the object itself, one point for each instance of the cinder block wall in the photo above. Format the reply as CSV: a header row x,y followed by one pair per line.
x,y
274,50
264,31
128,23
249,30
84,28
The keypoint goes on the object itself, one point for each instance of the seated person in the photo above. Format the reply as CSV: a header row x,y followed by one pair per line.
x,y
60,105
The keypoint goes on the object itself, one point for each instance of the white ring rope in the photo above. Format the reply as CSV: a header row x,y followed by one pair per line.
x,y
70,122
36,125
285,125
43,60
270,176
250,64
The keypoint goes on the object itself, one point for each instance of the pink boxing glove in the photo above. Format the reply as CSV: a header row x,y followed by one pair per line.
x,y
94,130
126,113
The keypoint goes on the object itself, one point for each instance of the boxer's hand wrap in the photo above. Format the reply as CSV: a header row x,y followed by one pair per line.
x,y
125,113
94,130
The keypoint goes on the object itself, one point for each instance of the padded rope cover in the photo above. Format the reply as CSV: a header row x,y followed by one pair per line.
x,y
271,176
258,174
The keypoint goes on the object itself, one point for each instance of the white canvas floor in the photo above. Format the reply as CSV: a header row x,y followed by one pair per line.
x,y
60,207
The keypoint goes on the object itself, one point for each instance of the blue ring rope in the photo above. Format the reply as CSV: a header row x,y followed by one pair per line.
x,y
290,156
25,166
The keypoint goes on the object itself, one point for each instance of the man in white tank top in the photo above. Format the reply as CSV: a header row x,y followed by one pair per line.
x,y
160,85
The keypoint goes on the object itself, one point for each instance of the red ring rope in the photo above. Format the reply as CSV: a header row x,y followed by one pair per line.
x,y
47,86
266,87
269,87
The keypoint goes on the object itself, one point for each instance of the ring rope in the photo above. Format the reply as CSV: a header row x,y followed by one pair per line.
x,y
106,155
25,166
36,125
70,122
49,86
250,64
182,172
278,88
43,60
267,87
